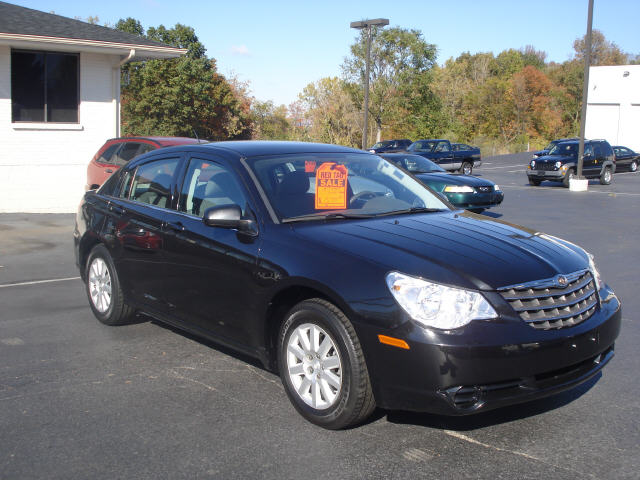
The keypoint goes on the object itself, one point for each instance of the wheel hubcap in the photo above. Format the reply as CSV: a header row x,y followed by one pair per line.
x,y
314,366
100,285
607,175
634,166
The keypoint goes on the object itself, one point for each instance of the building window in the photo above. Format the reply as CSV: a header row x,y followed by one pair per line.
x,y
44,86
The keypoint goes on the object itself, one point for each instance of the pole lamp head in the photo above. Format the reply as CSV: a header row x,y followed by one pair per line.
x,y
376,22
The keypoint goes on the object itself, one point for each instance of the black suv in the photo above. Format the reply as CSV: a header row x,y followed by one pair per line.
x,y
560,164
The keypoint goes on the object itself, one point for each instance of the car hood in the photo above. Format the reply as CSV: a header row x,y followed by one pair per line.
x,y
555,158
454,248
454,179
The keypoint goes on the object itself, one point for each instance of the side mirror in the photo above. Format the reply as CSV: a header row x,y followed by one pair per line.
x,y
229,216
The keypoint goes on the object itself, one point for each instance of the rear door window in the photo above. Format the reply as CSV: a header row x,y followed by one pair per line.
x,y
152,182
107,155
128,151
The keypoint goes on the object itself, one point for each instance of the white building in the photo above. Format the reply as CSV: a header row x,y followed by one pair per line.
x,y
59,102
613,105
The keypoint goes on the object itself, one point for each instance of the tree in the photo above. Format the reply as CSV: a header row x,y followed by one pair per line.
x,y
330,114
183,96
270,122
400,61
603,52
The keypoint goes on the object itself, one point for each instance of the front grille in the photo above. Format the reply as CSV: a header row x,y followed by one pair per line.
x,y
484,189
547,304
545,166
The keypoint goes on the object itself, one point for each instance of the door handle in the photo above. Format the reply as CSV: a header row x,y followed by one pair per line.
x,y
109,170
176,226
117,210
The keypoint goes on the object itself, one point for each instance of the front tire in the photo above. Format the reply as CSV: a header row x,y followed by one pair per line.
x,y
322,366
103,289
466,168
534,182
606,176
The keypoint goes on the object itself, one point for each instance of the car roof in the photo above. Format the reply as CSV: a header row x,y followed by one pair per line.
x,y
432,140
252,148
164,141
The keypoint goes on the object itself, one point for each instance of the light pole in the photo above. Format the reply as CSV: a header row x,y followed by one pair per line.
x,y
585,88
378,22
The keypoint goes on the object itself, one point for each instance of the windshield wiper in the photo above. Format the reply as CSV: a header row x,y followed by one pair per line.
x,y
326,216
412,210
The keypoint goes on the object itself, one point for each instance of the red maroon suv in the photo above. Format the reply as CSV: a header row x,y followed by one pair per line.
x,y
116,152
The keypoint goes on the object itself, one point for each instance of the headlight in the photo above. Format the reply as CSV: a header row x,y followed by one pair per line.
x,y
435,305
458,189
594,272
558,164
533,164
534,156
496,188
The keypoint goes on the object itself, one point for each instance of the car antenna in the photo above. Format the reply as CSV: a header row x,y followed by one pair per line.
x,y
195,134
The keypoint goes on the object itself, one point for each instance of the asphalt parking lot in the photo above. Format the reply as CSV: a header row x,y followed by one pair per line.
x,y
82,400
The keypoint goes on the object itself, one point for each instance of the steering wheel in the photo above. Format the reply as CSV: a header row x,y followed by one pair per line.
x,y
363,196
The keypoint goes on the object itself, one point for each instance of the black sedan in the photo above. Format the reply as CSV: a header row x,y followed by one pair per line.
x,y
463,191
626,158
358,296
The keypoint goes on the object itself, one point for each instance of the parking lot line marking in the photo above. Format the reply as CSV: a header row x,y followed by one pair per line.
x,y
562,189
37,282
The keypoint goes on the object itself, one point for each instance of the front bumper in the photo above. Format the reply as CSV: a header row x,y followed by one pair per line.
x,y
553,175
476,200
488,364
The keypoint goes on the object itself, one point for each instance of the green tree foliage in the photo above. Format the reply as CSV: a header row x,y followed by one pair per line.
x,y
400,64
183,96
270,122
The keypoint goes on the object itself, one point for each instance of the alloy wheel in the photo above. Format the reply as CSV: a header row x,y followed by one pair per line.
x,y
100,289
314,366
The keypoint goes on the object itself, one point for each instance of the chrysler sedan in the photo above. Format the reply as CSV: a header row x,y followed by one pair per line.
x,y
343,273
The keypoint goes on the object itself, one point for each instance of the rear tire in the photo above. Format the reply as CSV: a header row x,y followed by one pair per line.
x,y
322,366
567,177
606,176
466,168
534,182
633,166
103,289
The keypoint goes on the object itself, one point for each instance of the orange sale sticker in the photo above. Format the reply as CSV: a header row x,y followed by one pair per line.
x,y
309,166
331,186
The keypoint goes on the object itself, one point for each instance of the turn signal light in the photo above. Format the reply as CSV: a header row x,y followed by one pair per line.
x,y
394,342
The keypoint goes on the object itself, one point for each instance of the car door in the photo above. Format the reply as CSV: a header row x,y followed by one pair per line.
x,y
590,166
444,156
211,270
137,216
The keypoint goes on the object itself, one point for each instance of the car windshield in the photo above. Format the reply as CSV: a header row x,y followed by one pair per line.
x,y
550,146
304,187
569,149
421,146
415,163
382,144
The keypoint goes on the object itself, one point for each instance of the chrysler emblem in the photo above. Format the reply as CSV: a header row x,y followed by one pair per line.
x,y
561,281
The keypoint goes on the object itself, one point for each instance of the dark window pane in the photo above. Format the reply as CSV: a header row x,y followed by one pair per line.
x,y
128,151
108,153
27,86
152,182
62,88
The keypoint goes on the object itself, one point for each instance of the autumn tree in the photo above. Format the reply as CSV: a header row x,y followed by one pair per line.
x,y
603,52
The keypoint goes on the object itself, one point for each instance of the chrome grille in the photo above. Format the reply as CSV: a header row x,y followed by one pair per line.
x,y
552,303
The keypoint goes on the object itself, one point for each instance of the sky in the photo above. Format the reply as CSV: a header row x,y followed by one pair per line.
x,y
279,46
